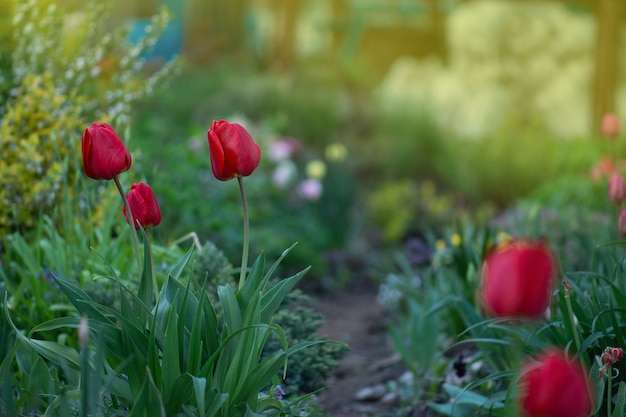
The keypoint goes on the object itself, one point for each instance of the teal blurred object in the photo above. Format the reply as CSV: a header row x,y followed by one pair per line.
x,y
170,43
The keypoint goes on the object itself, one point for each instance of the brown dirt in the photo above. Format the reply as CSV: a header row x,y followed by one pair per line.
x,y
355,317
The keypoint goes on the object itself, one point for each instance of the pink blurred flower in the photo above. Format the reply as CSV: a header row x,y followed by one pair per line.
x,y
282,149
611,125
603,168
310,189
617,188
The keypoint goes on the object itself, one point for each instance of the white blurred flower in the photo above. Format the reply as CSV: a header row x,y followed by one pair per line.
x,y
310,189
284,173
283,149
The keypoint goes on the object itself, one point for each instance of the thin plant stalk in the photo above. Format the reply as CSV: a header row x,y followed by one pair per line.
x,y
246,234
155,285
129,215
570,311
608,391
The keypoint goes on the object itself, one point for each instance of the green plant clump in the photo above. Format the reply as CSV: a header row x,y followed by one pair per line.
x,y
51,82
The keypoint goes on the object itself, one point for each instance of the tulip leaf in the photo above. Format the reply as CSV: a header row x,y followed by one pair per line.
x,y
253,285
76,296
170,361
618,411
180,265
149,402
146,285
275,296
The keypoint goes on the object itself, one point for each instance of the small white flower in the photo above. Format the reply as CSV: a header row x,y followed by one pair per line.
x,y
284,173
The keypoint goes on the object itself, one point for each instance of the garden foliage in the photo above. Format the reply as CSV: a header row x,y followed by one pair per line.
x,y
51,84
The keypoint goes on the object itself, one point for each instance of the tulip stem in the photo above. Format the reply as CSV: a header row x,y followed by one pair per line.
x,y
130,217
246,234
155,284
608,391
570,310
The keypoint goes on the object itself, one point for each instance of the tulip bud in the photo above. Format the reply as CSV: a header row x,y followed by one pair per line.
x,y
104,154
143,205
617,188
554,386
611,125
233,151
518,277
83,331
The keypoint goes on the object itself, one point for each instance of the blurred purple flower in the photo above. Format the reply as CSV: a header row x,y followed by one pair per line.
x,y
310,189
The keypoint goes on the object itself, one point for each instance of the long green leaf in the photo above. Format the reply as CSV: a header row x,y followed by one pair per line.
x,y
149,402
620,404
180,265
146,284
253,285
275,296
77,296
170,361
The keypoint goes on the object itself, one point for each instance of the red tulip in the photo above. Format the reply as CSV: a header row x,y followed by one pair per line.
x,y
611,125
104,154
144,206
233,151
554,386
518,277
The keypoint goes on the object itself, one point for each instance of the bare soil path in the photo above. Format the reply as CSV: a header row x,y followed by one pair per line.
x,y
355,317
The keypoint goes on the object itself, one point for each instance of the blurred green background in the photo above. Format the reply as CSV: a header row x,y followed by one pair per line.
x,y
441,111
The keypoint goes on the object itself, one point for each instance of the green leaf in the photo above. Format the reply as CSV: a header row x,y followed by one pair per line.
x,y
149,402
194,354
253,285
55,352
180,265
618,411
170,363
146,284
186,386
275,296
78,297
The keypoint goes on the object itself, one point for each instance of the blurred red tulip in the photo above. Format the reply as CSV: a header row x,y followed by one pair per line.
x,y
602,168
611,125
554,386
518,277
144,206
104,154
617,188
233,151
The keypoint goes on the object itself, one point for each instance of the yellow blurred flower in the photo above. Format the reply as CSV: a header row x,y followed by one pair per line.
x,y
316,169
440,244
455,239
503,237
336,152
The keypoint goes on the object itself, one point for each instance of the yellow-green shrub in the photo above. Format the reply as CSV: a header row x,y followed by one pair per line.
x,y
35,138
61,68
